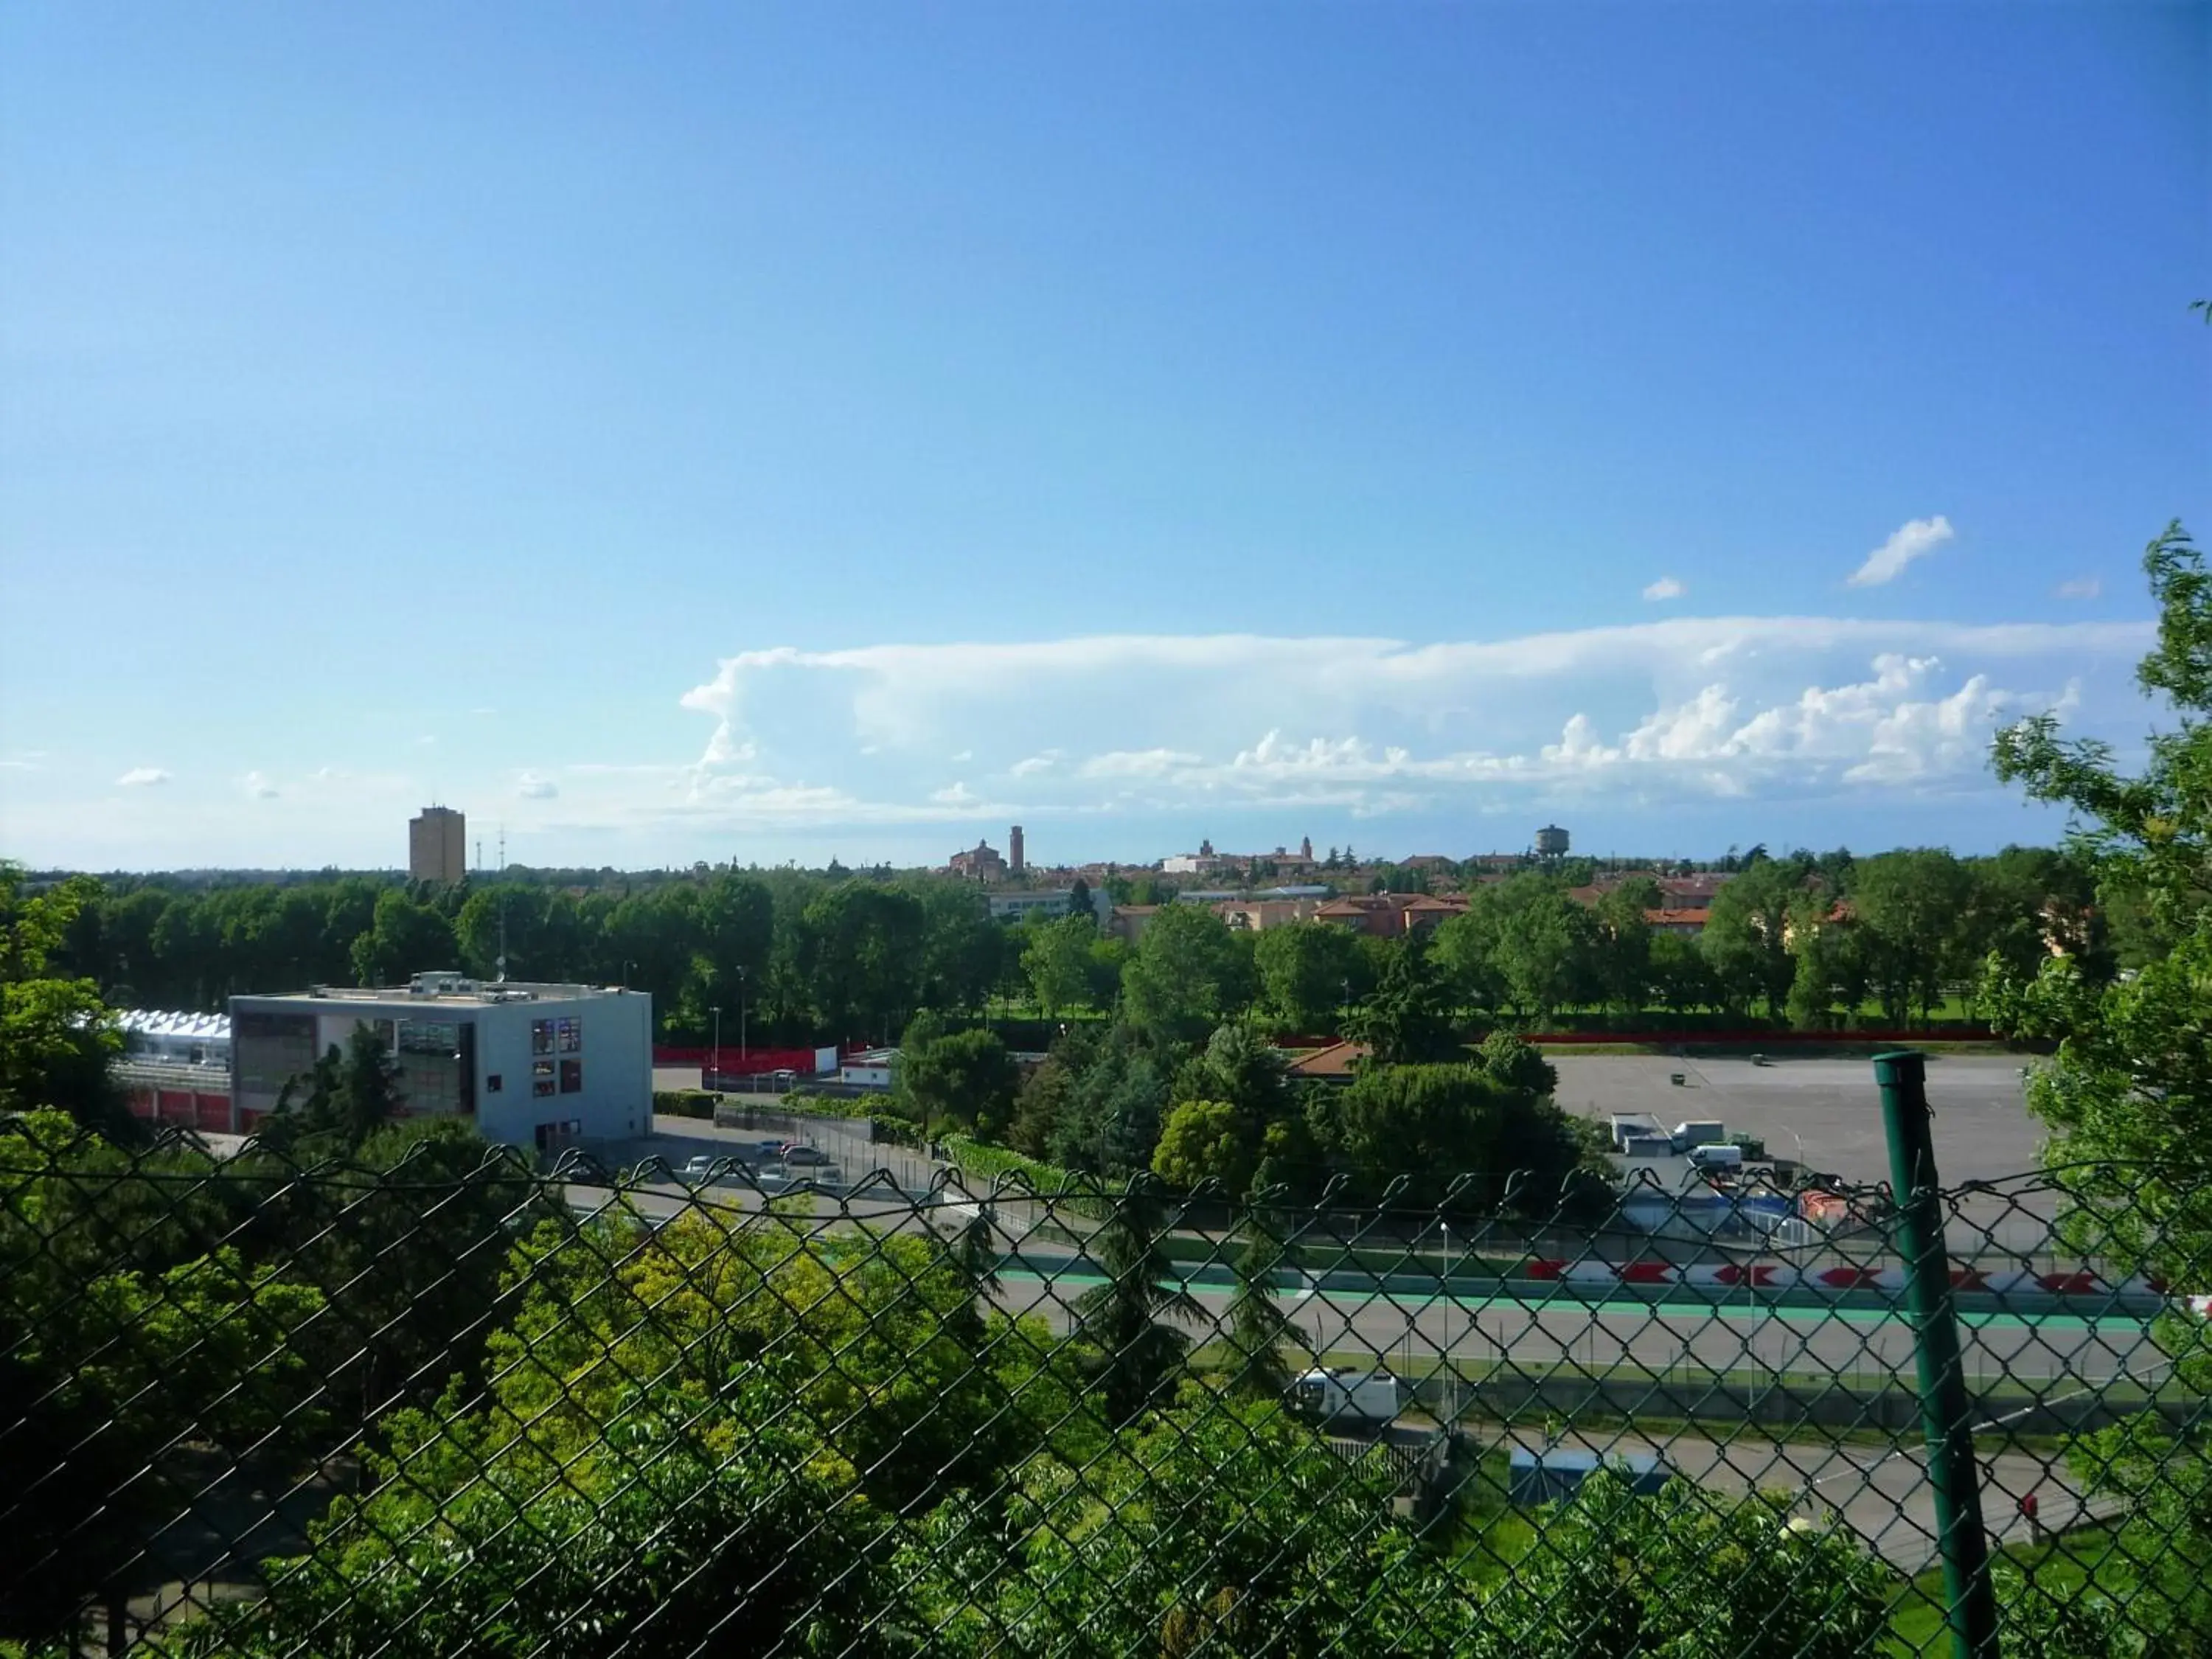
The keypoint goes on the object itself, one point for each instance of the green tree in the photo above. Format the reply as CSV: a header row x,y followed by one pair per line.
x,y
114,1367
56,1036
1746,938
1308,970
1407,1018
1518,1065
1431,1124
1681,976
1907,908
1613,1574
329,1110
1207,1141
1189,973
1261,1334
2128,1093
404,937
1621,943
1056,958
1127,1320
962,1080
1114,1110
1223,1528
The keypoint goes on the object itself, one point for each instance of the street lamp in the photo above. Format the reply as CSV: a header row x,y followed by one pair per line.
x,y
741,1015
717,1072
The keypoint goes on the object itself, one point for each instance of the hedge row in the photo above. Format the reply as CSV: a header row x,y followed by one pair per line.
x,y
985,1162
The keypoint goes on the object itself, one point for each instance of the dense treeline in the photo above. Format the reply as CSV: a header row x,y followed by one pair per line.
x,y
1817,940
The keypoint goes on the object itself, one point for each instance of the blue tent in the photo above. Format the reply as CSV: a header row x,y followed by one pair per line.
x,y
1542,1477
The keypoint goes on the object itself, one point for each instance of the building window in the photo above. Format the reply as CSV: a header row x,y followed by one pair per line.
x,y
541,1079
542,1087
541,1036
572,1034
572,1076
491,1084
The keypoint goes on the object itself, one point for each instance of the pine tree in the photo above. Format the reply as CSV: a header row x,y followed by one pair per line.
x,y
1125,1319
1259,1331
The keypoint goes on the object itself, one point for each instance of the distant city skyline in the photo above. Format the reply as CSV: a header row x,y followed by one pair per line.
x,y
795,433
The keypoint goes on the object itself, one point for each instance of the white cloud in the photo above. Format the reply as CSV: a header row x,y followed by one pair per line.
x,y
142,777
1912,540
530,786
424,742
2082,587
257,784
1666,587
964,755
1136,764
1147,724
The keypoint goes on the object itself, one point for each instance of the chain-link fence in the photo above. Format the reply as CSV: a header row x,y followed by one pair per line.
x,y
450,1404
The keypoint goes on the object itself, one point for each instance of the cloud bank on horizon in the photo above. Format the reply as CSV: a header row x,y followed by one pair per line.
x,y
1144,725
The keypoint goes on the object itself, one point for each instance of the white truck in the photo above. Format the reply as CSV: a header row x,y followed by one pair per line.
x,y
1346,1396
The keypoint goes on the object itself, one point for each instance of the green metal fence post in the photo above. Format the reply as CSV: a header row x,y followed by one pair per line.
x,y
1945,1415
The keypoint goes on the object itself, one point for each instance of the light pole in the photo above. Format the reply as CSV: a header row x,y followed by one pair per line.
x,y
1451,1362
741,1015
718,1049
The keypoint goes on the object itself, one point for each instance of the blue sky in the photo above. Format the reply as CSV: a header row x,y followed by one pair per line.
x,y
775,433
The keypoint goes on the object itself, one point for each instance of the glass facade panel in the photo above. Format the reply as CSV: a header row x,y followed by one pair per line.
x,y
572,1076
269,1050
572,1033
541,1036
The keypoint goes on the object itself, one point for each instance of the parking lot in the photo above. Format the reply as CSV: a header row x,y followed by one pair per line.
x,y
1826,1112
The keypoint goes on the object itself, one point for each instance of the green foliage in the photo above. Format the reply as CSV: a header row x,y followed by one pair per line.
x,y
1126,1321
1111,1120
1407,1018
56,1036
1746,938
1514,1064
1259,1331
1431,1124
106,1350
678,1526
1219,1529
344,1100
1207,1141
1611,1575
1307,971
1189,974
956,1079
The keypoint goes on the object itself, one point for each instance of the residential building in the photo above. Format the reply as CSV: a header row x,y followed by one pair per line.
x,y
1389,915
539,1065
1256,914
1688,922
1339,1062
1129,921
437,844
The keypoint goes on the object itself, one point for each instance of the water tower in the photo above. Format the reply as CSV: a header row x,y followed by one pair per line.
x,y
1551,842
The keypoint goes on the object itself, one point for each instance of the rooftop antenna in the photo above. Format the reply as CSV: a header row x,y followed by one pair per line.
x,y
502,963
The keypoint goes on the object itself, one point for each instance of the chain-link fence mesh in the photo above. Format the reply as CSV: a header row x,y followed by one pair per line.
x,y
461,1405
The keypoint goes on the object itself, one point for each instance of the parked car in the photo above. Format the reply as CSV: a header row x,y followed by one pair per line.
x,y
797,1153
704,1171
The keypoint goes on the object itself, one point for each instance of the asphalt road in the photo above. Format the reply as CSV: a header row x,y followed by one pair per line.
x,y
1412,1333
1826,1112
